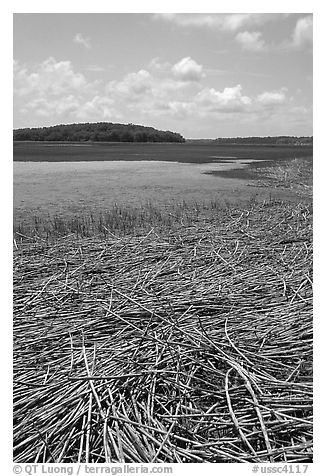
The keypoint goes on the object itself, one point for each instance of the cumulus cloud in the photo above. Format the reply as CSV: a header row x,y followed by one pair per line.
x,y
228,105
156,64
53,89
180,109
132,85
165,91
81,40
234,22
163,82
50,77
251,41
45,107
229,100
243,27
272,98
303,32
97,107
224,22
188,70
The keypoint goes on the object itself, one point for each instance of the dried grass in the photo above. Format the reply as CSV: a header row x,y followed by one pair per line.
x,y
186,346
296,175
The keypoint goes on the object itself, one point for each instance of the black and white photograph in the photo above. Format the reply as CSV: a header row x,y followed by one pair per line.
x,y
162,241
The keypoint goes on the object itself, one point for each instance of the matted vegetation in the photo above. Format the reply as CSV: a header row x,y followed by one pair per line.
x,y
296,175
185,343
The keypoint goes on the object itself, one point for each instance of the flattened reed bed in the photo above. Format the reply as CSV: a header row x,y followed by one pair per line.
x,y
193,345
296,175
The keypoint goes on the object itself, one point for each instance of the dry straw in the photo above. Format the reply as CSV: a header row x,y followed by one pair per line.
x,y
193,346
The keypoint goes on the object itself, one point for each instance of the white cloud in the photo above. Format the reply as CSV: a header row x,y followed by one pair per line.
x,y
81,40
46,107
50,77
224,22
228,100
133,85
180,109
163,82
55,91
157,65
251,41
97,108
236,21
303,32
272,98
188,70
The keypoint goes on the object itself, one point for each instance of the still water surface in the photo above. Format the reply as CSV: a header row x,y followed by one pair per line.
x,y
59,187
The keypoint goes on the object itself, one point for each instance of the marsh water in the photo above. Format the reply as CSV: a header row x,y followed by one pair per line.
x,y
58,185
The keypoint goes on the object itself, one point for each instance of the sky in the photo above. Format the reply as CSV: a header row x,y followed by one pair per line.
x,y
202,75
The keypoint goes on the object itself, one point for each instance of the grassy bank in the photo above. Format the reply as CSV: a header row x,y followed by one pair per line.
x,y
119,220
186,340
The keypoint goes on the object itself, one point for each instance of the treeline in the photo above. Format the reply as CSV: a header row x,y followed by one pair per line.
x,y
97,132
278,140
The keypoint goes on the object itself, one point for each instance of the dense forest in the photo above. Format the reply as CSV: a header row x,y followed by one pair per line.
x,y
97,132
278,140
